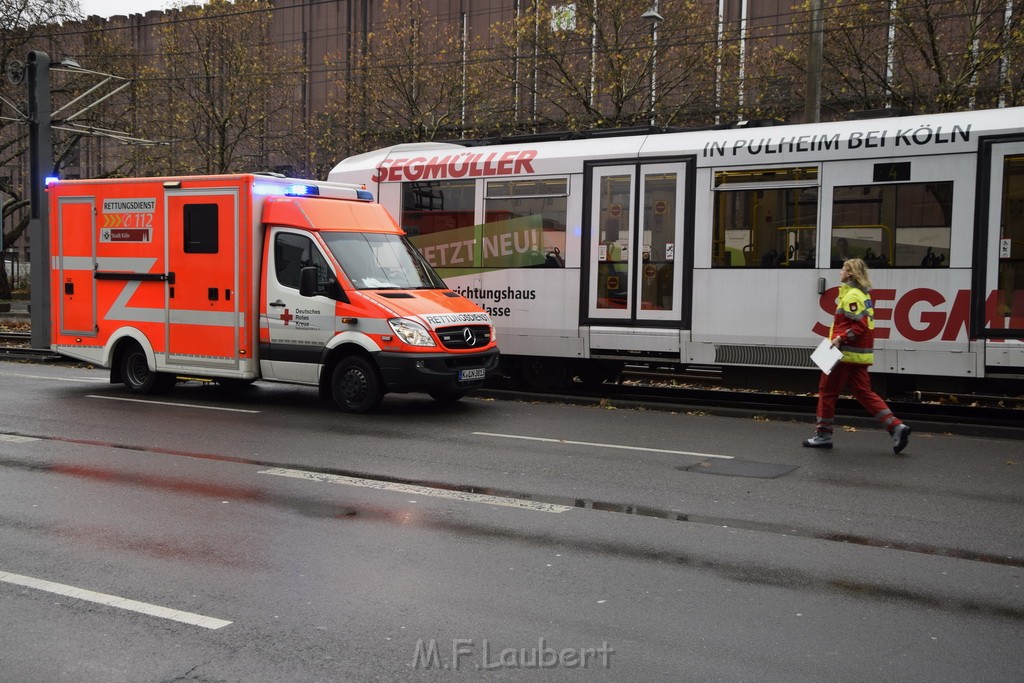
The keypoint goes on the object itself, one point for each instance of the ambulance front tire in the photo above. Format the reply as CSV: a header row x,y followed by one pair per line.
x,y
356,385
137,376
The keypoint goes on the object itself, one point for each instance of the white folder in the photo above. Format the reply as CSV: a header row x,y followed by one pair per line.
x,y
826,356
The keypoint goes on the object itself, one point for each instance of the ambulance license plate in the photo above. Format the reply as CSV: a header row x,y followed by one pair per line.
x,y
471,374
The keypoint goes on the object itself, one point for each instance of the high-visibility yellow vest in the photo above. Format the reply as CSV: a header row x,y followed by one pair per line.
x,y
854,324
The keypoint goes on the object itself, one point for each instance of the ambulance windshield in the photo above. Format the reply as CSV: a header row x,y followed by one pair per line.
x,y
376,261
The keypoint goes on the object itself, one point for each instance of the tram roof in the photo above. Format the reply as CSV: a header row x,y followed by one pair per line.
x,y
559,153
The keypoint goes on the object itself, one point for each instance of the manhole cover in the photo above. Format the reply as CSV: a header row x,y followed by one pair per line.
x,y
741,468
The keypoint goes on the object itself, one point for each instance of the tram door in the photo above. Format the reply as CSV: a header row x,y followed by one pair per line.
x,y
636,244
1003,269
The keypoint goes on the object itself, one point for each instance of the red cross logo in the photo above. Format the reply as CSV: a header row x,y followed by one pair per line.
x,y
286,316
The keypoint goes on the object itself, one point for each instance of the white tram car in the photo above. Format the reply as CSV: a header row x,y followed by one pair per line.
x,y
722,247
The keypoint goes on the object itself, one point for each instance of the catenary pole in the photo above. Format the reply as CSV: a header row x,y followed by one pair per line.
x,y
812,107
41,166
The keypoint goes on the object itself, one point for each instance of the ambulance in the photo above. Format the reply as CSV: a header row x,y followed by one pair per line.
x,y
237,278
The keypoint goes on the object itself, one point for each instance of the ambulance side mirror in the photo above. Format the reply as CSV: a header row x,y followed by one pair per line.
x,y
309,286
307,281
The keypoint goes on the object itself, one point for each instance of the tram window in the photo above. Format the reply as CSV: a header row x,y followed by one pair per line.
x,y
772,222
439,218
903,225
524,223
437,206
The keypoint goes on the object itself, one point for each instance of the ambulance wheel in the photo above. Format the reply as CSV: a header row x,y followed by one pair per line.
x,y
137,376
356,386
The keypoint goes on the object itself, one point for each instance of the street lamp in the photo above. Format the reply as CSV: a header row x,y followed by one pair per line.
x,y
655,18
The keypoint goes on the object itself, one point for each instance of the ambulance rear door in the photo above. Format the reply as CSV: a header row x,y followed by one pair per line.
x,y
203,264
76,245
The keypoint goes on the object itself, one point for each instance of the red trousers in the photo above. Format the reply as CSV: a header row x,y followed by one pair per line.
x,y
856,377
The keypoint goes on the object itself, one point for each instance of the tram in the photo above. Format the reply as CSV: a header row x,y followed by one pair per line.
x,y
722,247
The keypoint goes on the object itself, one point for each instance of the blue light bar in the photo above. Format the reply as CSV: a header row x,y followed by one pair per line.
x,y
364,194
50,179
265,189
271,188
302,190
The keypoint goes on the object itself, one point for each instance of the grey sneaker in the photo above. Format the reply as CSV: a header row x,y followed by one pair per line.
x,y
819,440
900,437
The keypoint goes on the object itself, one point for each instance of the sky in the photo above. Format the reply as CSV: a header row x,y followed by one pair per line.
x,y
108,8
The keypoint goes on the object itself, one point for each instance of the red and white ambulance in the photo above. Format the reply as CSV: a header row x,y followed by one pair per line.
x,y
246,277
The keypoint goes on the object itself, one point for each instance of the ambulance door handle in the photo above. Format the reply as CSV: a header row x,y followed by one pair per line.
x,y
69,288
277,303
212,293
227,295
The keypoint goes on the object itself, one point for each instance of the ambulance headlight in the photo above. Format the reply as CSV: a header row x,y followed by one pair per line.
x,y
412,333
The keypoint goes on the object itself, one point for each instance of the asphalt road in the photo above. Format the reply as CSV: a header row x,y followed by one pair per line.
x,y
264,536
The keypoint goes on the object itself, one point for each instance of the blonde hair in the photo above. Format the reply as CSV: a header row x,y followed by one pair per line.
x,y
858,273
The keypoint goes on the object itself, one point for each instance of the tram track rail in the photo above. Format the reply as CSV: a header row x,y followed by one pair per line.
x,y
712,375
16,345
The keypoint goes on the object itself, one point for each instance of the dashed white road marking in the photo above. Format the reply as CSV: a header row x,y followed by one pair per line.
x,y
172,403
114,601
98,380
15,438
418,490
648,449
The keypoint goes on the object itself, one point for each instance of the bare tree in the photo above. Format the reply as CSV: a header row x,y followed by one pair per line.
x,y
590,63
951,52
920,55
25,25
418,77
97,136
226,96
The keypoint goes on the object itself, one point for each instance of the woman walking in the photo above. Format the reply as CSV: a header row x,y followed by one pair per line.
x,y
853,333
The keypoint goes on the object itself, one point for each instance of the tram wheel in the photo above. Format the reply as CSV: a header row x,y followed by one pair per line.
x,y
593,374
542,374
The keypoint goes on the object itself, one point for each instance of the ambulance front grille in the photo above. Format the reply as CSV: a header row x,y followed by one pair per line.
x,y
767,356
465,336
